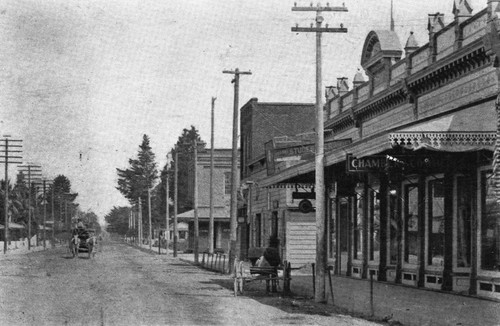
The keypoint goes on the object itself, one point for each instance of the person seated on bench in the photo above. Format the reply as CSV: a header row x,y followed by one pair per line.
x,y
271,256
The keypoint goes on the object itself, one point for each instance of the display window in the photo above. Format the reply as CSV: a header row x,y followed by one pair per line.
x,y
358,225
435,222
463,222
394,225
489,224
374,224
410,226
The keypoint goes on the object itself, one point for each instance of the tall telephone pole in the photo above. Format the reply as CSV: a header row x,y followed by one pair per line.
x,y
321,245
167,209
176,235
6,157
211,215
233,248
195,202
34,172
44,183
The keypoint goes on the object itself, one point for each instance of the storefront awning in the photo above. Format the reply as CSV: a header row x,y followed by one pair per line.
x,y
219,213
470,129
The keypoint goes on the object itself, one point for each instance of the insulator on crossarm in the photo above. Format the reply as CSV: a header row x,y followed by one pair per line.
x,y
296,25
328,4
326,25
295,4
311,24
341,25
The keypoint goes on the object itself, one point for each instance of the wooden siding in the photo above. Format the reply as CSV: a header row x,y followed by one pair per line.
x,y
301,243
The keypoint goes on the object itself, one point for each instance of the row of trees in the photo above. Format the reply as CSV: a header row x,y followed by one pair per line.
x,y
57,200
142,176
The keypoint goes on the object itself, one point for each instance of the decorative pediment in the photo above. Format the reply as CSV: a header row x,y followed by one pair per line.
x,y
380,45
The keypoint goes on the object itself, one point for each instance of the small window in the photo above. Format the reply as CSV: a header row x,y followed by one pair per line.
x,y
227,183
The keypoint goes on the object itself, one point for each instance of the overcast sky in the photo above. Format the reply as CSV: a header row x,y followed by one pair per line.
x,y
91,77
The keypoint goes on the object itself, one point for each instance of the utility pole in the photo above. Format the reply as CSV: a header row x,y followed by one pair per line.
x,y
233,247
33,171
167,210
6,158
321,245
53,219
140,222
45,213
211,214
149,217
195,202
176,236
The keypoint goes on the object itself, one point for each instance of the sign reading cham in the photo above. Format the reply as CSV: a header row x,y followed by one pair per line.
x,y
409,163
366,164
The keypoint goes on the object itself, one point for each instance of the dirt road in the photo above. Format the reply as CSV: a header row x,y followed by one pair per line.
x,y
126,286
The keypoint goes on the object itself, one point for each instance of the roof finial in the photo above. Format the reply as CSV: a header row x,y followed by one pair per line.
x,y
392,18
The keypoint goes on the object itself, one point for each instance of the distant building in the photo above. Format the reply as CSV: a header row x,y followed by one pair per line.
x,y
221,199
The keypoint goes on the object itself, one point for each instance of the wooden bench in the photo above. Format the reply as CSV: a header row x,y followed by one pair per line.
x,y
244,272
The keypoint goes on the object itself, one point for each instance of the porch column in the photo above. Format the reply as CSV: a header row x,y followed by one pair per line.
x,y
399,235
382,267
338,251
421,231
350,221
473,232
448,232
364,244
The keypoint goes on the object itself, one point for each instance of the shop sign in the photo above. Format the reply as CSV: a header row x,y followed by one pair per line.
x,y
408,163
366,164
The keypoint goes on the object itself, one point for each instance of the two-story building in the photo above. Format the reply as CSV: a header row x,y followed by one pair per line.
x,y
275,136
221,199
411,191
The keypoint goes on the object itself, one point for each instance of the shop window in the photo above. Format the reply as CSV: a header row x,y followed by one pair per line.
x,y
274,225
343,225
182,235
358,226
227,183
411,223
490,224
464,212
374,216
435,226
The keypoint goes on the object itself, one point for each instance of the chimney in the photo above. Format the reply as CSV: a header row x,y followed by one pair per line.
x,y
436,22
342,85
331,92
493,8
462,10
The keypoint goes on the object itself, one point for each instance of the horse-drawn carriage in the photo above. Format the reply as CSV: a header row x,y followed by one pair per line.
x,y
83,239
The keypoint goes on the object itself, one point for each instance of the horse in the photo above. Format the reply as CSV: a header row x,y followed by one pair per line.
x,y
74,244
92,246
